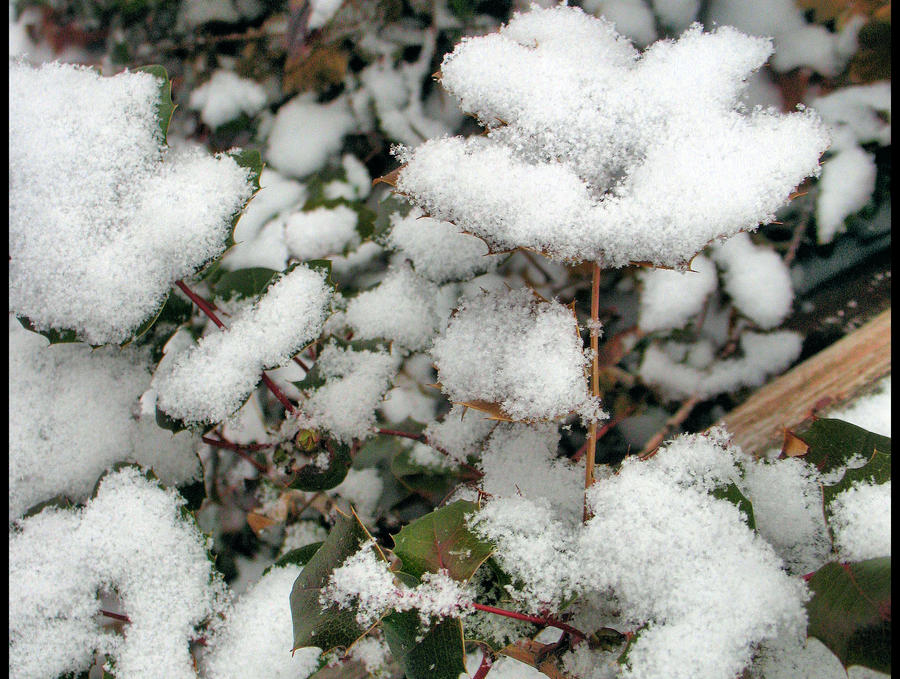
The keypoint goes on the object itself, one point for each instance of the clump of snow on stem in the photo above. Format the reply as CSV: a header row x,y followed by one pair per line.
x,y
669,299
516,351
72,415
355,383
861,521
670,164
688,565
438,250
212,379
757,280
402,308
131,539
679,372
103,220
364,582
225,96
256,635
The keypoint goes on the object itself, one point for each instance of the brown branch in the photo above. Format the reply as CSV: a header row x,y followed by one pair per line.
x,y
671,425
591,455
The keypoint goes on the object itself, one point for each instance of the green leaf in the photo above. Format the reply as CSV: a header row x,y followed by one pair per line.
x,y
55,336
434,653
253,162
166,106
442,540
323,266
377,452
170,423
733,494
244,283
850,612
326,627
57,502
312,478
429,482
296,557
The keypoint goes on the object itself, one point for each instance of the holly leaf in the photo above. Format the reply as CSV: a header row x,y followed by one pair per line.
x,y
733,494
244,283
315,625
436,652
297,557
253,162
312,478
166,107
431,483
442,540
55,336
850,612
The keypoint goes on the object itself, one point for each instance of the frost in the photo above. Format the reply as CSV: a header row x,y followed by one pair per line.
x,y
211,380
516,351
102,220
72,416
671,298
256,636
671,165
861,521
225,96
131,540
355,383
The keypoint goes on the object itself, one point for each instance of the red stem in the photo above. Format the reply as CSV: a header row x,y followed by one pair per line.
x,y
240,450
485,666
207,309
549,622
115,616
402,434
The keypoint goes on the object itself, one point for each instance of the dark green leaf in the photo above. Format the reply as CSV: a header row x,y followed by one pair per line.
x,y
323,266
170,423
166,106
312,478
329,627
435,653
243,283
57,502
442,540
733,494
429,482
850,612
55,336
253,162
194,493
296,557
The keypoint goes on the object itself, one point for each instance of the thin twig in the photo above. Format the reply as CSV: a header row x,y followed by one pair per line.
x,y
595,385
487,662
240,450
115,616
537,620
604,430
671,424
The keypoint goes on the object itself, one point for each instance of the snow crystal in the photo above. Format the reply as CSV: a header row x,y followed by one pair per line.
x,y
861,521
321,232
72,415
355,382
515,351
130,539
670,299
438,250
757,280
521,460
872,411
847,184
305,134
461,432
256,636
688,566
787,507
102,220
672,165
764,355
212,379
225,96
403,308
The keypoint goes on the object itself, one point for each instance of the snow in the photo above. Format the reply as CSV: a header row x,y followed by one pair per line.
x,y
861,521
305,134
438,250
847,184
672,165
520,353
103,220
355,383
362,487
321,12
632,18
321,232
863,109
670,299
256,636
871,411
212,379
461,432
72,416
757,280
301,534
403,308
130,539
225,96
664,365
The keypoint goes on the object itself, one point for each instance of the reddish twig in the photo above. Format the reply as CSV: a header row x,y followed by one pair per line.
x,y
115,616
546,622
401,434
486,663
240,450
591,452
277,393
